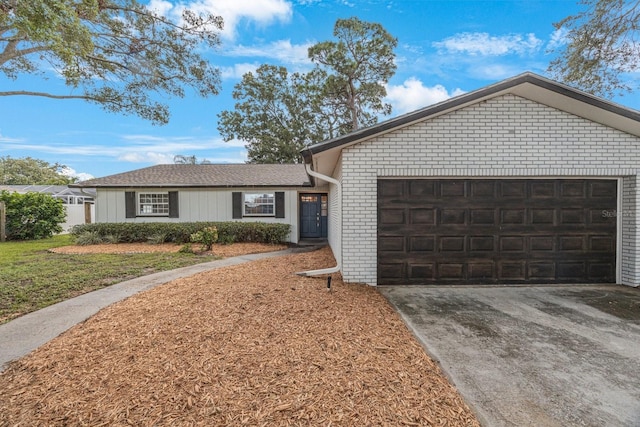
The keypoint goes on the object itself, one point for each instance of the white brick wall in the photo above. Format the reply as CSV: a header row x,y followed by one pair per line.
x,y
505,136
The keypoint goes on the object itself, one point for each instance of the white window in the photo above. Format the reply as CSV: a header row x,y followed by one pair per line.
x,y
259,204
153,204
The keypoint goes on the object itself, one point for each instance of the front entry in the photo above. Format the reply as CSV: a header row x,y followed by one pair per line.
x,y
313,216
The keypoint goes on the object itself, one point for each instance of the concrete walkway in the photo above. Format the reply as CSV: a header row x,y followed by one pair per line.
x,y
21,336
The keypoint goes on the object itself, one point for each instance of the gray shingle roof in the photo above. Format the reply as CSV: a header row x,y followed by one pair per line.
x,y
208,175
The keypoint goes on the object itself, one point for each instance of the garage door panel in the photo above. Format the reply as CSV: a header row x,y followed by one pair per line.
x,y
496,231
602,189
601,244
480,189
541,216
392,216
515,188
422,243
572,216
391,188
482,216
422,188
450,244
542,271
425,216
542,190
451,271
542,243
482,243
572,188
481,271
391,243
391,270
512,270
422,271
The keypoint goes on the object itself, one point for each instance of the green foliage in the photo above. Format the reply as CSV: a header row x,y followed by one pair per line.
x,y
180,232
32,215
29,171
206,237
272,116
278,114
358,65
601,53
89,238
187,248
116,53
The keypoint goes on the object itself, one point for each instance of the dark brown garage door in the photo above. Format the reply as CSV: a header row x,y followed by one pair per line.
x,y
496,231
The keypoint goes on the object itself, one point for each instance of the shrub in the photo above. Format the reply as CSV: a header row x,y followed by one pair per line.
x,y
32,215
180,232
206,237
89,238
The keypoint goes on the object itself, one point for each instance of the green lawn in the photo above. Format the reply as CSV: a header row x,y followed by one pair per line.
x,y
32,278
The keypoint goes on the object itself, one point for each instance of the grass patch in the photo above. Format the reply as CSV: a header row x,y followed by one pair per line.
x,y
32,278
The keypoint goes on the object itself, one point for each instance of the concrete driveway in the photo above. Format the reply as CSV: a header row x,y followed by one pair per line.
x,y
533,356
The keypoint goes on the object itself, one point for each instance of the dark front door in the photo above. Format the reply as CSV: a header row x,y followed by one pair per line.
x,y
313,216
496,231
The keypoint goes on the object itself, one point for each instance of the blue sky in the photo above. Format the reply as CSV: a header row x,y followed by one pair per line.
x,y
445,47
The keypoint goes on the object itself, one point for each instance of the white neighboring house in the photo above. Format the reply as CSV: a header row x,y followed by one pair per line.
x,y
214,192
78,204
525,181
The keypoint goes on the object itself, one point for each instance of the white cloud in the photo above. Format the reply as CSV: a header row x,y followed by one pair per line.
x,y
558,38
161,150
483,44
412,95
70,172
146,157
281,50
233,12
238,70
8,140
496,71
161,7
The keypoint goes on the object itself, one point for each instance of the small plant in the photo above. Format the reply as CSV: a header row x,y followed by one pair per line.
x,y
111,238
186,249
206,237
88,238
157,238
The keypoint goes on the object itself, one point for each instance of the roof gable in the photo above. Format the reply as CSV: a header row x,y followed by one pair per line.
x,y
527,85
206,175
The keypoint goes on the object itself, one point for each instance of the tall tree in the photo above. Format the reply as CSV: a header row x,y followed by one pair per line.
x,y
602,47
358,65
278,114
116,53
30,171
272,115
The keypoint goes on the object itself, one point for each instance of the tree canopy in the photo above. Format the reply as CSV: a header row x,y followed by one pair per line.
x,y
30,171
272,115
602,48
358,65
116,53
279,113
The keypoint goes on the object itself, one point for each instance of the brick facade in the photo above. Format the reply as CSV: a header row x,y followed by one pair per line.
x,y
506,136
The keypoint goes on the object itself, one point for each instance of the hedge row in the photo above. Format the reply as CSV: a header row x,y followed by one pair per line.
x,y
180,232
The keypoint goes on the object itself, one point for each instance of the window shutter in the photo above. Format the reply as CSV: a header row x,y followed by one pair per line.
x,y
236,198
174,211
279,204
130,204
